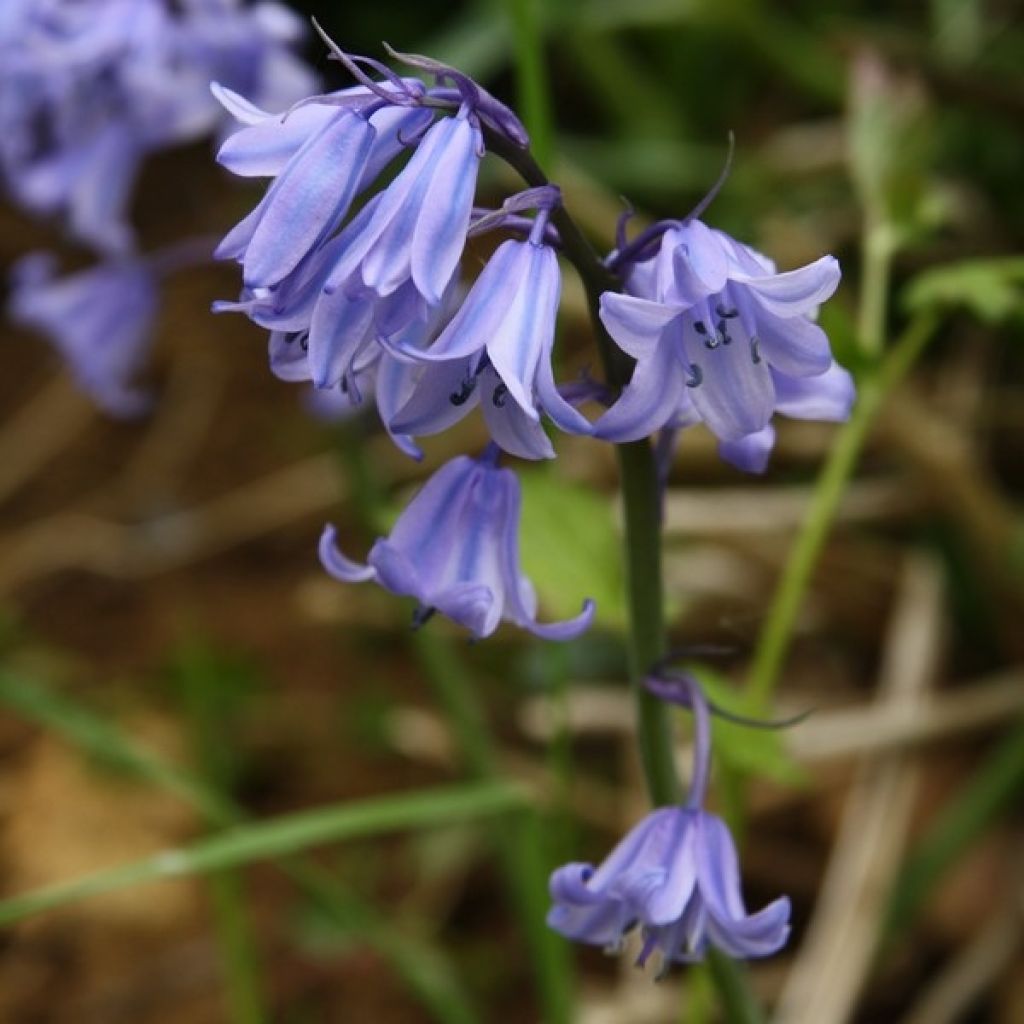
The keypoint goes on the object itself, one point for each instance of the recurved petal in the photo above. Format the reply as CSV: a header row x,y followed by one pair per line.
x,y
796,292
509,426
598,924
396,382
718,870
396,127
699,266
233,245
440,233
340,567
635,324
241,109
308,199
641,849
828,396
760,934
750,453
288,359
666,903
649,401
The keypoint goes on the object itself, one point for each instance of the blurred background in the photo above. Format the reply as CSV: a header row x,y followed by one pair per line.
x,y
174,658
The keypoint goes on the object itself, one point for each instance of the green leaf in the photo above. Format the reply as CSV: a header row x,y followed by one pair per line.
x,y
570,547
743,748
992,290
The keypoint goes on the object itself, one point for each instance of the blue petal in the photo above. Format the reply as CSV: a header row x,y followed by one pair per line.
x,y
473,605
441,227
649,401
796,346
750,453
340,567
510,427
340,327
828,396
306,202
264,149
797,292
635,324
288,359
699,265
526,332
430,409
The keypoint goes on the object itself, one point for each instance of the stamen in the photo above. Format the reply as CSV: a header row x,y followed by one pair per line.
x,y
755,350
700,327
723,333
500,395
725,312
696,377
466,389
422,615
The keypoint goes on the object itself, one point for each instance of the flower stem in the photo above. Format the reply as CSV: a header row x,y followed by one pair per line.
x,y
775,637
641,496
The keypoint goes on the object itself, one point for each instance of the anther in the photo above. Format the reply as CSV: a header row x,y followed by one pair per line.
x,y
500,395
755,350
422,615
696,376
723,311
461,397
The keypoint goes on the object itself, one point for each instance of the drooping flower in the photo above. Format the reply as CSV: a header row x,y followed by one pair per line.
x,y
496,352
100,321
675,875
719,338
455,548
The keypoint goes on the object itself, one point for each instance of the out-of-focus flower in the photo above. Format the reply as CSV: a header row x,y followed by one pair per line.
x,y
100,320
455,548
721,338
88,89
675,875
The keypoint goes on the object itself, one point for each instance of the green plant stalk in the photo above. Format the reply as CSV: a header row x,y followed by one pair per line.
x,y
642,513
876,267
281,837
427,974
776,635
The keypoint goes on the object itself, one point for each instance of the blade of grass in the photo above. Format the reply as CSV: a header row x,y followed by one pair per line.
x,y
281,837
427,973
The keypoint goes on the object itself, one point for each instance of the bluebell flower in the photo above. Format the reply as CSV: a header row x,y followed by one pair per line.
x,y
455,548
496,352
100,321
675,876
721,338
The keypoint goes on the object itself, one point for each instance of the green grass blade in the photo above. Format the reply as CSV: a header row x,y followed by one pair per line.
x,y
282,837
534,91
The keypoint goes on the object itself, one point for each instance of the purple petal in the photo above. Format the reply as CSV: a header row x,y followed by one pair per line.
x,y
796,346
340,567
264,149
431,410
736,396
828,396
699,265
526,332
636,325
288,359
241,109
440,233
473,605
760,934
666,903
308,199
509,426
649,400
340,327
396,382
797,292
750,453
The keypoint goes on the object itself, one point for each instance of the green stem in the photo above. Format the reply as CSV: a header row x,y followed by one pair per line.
x,y
777,632
642,512
875,270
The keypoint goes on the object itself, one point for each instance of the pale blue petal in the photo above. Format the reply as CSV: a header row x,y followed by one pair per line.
x,y
440,233
648,402
796,346
431,409
340,327
510,427
828,396
305,203
264,149
340,567
796,292
750,453
636,325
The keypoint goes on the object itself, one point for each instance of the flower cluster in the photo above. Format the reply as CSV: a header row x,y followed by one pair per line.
x,y
89,88
357,282
675,876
